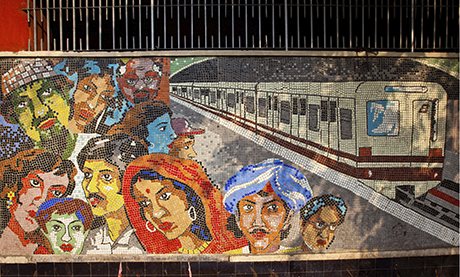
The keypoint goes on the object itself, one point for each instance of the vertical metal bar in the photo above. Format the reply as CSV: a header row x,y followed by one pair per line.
x,y
273,23
286,34
87,25
178,24
164,24
337,24
233,24
422,39
388,26
260,25
74,29
412,20
434,23
48,25
362,24
324,24
152,26
375,24
205,25
350,26
191,23
139,19
246,22
107,10
35,23
401,24
126,25
28,11
218,22
60,25
100,26
311,24
447,24
113,25
298,24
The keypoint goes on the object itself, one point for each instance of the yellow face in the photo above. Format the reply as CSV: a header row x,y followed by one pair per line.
x,y
318,232
102,185
43,111
164,206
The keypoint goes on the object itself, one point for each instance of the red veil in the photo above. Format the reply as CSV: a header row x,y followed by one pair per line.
x,y
191,174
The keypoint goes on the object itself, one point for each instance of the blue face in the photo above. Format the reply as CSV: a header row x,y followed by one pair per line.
x,y
161,134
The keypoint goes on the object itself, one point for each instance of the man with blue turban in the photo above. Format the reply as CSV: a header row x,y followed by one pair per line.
x,y
262,199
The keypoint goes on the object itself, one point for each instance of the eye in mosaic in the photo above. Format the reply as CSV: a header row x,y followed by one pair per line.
x,y
227,155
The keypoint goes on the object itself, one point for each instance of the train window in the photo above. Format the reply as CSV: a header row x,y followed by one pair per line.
x,y
196,93
219,94
212,97
303,106
237,97
313,123
231,100
269,102
294,105
323,110
204,92
275,103
174,89
285,112
332,111
346,130
249,104
262,107
383,118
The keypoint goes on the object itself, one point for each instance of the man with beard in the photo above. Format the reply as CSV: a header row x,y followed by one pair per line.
x,y
36,98
145,79
263,199
103,161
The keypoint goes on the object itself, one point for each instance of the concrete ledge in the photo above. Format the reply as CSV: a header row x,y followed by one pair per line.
x,y
226,258
233,53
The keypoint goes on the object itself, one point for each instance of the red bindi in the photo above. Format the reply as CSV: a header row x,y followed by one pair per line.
x,y
147,190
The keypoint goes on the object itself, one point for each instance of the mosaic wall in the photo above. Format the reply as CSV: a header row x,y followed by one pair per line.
x,y
227,155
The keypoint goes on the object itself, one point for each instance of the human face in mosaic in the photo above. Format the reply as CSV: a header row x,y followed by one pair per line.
x,y
141,80
319,230
164,206
101,184
91,98
65,233
261,219
37,187
161,134
42,111
182,147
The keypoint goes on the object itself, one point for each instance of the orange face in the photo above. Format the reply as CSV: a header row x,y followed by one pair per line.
x,y
319,231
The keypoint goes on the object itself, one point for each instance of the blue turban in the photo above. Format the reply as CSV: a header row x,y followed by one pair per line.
x,y
287,182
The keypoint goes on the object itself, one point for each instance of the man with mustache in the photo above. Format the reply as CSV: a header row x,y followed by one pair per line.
x,y
103,161
35,96
145,79
263,199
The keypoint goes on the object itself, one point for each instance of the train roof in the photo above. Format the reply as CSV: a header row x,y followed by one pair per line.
x,y
315,69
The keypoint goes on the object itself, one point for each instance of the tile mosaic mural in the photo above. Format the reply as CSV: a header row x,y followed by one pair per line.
x,y
229,155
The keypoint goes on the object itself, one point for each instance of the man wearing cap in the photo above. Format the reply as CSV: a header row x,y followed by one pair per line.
x,y
262,199
182,146
36,98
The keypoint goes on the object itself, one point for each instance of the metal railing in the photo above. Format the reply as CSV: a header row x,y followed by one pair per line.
x,y
120,25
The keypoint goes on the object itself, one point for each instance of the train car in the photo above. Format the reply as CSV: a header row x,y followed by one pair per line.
x,y
384,133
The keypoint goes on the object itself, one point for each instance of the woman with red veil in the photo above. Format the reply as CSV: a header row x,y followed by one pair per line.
x,y
174,207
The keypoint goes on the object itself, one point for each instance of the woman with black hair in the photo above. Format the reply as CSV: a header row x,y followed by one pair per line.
x,y
174,207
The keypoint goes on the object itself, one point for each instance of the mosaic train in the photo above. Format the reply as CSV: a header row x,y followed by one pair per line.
x,y
111,122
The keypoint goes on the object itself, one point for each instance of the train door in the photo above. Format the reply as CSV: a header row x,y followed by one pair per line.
x,y
324,121
302,116
314,117
346,127
333,126
421,127
238,100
